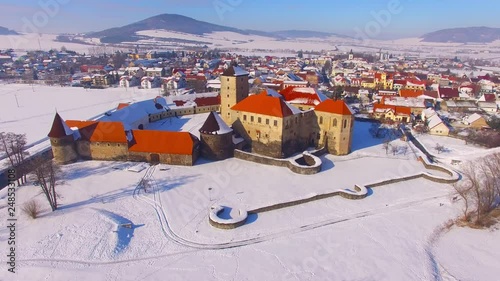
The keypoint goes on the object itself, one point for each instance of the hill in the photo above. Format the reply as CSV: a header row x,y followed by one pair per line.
x,y
463,35
171,22
6,31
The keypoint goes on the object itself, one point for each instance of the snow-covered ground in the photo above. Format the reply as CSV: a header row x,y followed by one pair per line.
x,y
38,104
386,236
454,149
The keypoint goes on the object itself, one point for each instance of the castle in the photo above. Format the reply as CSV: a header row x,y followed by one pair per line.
x,y
266,123
273,127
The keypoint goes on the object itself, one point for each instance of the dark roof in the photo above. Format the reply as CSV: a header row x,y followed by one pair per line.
x,y
57,130
448,93
211,125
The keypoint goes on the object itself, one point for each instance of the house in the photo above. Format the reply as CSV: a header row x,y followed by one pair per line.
x,y
150,82
448,93
394,113
475,121
303,98
436,126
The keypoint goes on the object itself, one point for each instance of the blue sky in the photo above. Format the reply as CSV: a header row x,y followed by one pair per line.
x,y
408,18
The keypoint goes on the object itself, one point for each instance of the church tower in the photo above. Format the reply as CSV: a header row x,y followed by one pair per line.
x,y
351,55
234,88
62,142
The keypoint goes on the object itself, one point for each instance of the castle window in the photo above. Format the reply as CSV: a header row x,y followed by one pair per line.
x,y
251,118
227,79
345,124
244,118
334,122
259,120
275,123
109,144
321,120
267,121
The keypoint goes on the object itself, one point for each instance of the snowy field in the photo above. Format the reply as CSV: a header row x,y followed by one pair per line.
x,y
455,149
254,44
38,104
390,235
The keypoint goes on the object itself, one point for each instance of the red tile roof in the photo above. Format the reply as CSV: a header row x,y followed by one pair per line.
x,y
336,107
398,110
265,105
433,94
95,131
448,93
406,93
163,142
122,105
291,94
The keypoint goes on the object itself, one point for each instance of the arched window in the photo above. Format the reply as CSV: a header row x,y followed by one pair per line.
x,y
345,124
321,120
334,124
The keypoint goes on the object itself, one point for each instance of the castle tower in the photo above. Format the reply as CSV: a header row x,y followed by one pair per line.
x,y
336,123
62,142
216,138
234,88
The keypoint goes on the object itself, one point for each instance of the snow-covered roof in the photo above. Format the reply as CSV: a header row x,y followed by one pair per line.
x,y
140,110
434,121
473,118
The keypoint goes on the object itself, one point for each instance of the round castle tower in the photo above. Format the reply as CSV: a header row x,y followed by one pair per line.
x,y
216,138
62,142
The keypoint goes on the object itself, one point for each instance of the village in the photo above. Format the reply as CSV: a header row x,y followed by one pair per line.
x,y
212,148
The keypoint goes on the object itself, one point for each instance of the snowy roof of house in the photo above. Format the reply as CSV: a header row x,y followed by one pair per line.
x,y
434,121
59,128
215,125
473,118
163,142
488,98
306,96
137,111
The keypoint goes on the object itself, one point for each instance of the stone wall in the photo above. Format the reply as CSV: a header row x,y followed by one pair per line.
x,y
171,159
217,147
102,150
303,170
64,150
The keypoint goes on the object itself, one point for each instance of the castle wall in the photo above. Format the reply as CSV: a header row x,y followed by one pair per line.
x,y
102,150
64,150
217,147
171,159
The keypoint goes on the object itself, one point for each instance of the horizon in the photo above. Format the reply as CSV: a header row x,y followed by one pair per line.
x,y
390,19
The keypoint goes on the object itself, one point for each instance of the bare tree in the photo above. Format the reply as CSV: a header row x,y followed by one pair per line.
x,y
47,173
14,147
480,189
386,145
404,149
394,149
439,148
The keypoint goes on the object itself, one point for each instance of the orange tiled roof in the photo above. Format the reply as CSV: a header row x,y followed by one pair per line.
x,y
407,93
336,107
95,131
122,105
163,142
265,105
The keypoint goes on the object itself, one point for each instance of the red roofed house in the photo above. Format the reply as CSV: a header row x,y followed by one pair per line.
x,y
409,93
448,93
390,112
303,98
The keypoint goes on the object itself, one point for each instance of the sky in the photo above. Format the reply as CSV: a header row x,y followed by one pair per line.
x,y
384,19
